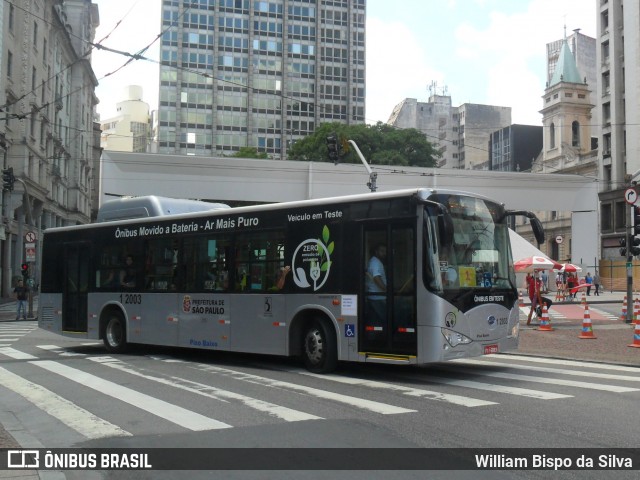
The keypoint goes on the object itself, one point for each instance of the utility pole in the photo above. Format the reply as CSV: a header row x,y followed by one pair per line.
x,y
335,149
630,243
373,176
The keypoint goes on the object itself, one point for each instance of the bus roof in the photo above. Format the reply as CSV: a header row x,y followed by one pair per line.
x,y
423,193
151,206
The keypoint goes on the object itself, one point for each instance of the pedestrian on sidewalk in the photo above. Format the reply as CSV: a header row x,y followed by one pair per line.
x,y
534,284
596,283
21,292
589,281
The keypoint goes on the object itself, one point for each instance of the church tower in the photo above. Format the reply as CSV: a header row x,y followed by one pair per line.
x,y
566,118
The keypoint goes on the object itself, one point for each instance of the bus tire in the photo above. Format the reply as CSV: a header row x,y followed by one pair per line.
x,y
319,347
115,333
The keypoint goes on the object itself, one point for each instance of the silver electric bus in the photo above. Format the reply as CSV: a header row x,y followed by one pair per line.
x,y
406,277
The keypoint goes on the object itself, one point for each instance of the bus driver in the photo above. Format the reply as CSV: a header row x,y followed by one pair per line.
x,y
376,283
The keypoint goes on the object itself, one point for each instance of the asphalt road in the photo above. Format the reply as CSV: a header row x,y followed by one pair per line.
x,y
58,393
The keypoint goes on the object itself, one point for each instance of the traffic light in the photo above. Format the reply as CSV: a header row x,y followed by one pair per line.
x,y
636,220
623,246
24,268
332,147
8,179
634,248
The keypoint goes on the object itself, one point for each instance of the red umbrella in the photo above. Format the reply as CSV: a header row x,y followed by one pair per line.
x,y
569,268
536,262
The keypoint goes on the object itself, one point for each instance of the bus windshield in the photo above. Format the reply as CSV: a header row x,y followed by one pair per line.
x,y
479,255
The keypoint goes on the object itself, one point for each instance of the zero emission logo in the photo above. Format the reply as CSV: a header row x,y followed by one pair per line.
x,y
311,262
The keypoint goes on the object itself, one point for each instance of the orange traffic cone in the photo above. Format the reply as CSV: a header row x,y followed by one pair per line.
x,y
623,315
545,323
521,300
587,327
559,296
636,311
636,336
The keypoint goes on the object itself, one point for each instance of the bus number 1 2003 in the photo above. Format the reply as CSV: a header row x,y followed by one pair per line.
x,y
131,299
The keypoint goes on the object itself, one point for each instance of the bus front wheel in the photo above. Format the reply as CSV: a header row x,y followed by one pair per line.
x,y
320,351
115,333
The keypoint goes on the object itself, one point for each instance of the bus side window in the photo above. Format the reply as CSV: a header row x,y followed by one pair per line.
x,y
259,257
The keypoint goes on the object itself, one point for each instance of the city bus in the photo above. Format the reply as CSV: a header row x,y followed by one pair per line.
x,y
212,280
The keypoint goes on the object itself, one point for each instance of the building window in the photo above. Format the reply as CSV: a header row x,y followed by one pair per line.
x,y
575,134
606,113
621,216
9,64
606,83
552,135
605,51
604,22
605,217
11,14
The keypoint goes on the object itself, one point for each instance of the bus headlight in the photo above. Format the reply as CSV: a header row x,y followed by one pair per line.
x,y
454,338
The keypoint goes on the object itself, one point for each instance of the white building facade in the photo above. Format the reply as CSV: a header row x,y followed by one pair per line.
x,y
460,133
129,130
47,134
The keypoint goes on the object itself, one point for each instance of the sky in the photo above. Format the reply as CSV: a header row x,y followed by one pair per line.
x,y
477,51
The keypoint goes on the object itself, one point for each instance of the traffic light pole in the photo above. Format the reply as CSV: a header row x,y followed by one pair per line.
x,y
630,309
373,176
630,230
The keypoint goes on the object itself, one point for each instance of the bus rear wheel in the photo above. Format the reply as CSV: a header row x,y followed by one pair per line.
x,y
320,351
115,333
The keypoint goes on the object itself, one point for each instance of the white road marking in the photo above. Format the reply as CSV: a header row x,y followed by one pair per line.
x,y
575,373
283,413
16,354
170,412
362,403
69,413
409,391
568,383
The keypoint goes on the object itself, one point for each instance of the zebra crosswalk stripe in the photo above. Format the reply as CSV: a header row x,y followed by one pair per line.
x,y
409,391
363,403
209,391
170,412
70,414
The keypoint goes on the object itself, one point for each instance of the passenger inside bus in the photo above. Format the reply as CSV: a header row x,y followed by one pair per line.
x,y
128,273
281,277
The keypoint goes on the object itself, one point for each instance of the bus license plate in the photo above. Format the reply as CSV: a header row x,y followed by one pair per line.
x,y
489,349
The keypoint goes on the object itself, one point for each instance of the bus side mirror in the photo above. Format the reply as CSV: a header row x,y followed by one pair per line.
x,y
536,224
538,230
445,223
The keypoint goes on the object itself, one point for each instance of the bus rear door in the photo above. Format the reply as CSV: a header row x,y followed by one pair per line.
x,y
74,301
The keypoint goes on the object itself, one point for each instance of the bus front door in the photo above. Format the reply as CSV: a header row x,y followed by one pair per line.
x,y
389,310
74,301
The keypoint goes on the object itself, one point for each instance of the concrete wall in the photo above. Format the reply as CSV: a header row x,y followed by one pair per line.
x,y
253,180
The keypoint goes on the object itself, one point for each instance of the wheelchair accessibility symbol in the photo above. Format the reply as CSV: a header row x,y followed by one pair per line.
x,y
349,330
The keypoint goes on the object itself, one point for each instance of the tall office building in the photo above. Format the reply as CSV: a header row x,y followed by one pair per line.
x,y
617,99
251,73
461,134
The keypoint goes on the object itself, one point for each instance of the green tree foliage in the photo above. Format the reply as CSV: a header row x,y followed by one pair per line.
x,y
380,144
249,152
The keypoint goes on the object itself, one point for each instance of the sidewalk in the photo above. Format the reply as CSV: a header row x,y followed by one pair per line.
x,y
609,346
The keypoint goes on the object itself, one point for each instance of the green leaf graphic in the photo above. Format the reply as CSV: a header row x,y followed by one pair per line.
x,y
325,234
330,248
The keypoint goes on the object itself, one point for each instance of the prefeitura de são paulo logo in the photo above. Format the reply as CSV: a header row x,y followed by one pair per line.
x,y
312,261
